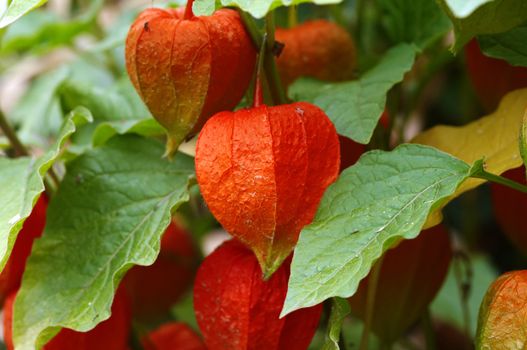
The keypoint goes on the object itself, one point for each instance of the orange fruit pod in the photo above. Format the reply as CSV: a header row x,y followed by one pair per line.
x,y
237,310
110,334
154,289
503,314
187,68
262,172
510,207
33,227
320,49
411,274
172,336
492,78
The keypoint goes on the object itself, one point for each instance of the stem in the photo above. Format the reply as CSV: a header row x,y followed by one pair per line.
x,y
19,148
258,99
359,7
483,174
373,281
426,323
252,29
189,14
342,341
292,16
463,287
336,13
271,72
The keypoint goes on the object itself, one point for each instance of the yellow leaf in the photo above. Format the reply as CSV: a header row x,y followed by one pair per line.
x,y
493,137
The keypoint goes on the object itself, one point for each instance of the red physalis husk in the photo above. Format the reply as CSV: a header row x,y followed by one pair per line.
x,y
33,227
410,277
262,172
237,310
502,316
319,49
154,289
188,68
510,207
172,336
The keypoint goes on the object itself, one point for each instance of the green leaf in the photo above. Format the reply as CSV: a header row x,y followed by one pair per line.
x,y
17,9
384,197
356,106
510,46
109,213
116,103
21,183
145,127
414,21
117,110
37,114
40,30
476,17
340,308
257,8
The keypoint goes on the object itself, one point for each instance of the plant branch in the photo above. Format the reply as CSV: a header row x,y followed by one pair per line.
x,y
428,330
252,29
464,286
292,16
271,71
481,173
373,281
19,148
258,99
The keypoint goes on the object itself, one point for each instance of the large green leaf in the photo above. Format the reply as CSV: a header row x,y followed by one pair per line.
x,y
108,214
476,17
37,114
257,8
115,103
17,9
145,127
117,109
356,106
414,21
21,183
384,197
510,46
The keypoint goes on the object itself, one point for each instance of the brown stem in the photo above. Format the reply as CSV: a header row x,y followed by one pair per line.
x,y
19,148
189,14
